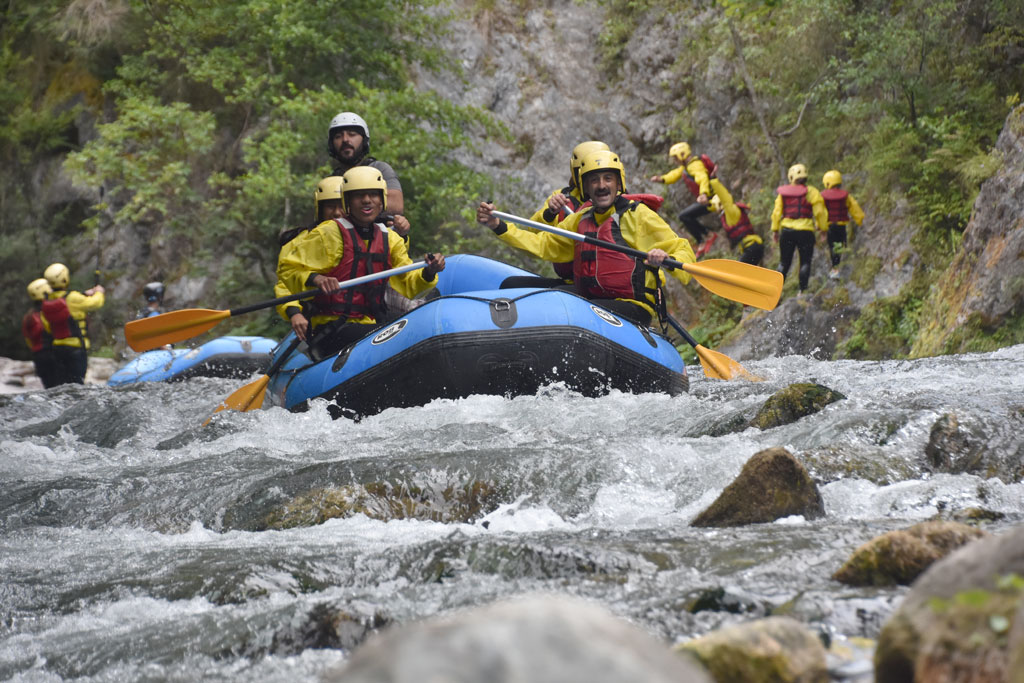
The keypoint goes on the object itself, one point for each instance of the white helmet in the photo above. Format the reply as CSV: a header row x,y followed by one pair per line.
x,y
347,119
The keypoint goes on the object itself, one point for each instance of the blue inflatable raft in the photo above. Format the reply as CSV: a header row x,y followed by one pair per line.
x,y
223,357
479,339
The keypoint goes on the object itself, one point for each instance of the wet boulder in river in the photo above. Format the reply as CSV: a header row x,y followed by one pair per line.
x,y
956,622
772,484
795,401
537,638
762,651
899,557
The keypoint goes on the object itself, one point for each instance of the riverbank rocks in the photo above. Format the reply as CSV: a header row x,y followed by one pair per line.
x,y
773,484
899,557
538,638
386,501
772,650
956,622
795,401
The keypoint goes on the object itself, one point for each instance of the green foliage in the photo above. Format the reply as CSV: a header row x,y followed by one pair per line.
x,y
718,319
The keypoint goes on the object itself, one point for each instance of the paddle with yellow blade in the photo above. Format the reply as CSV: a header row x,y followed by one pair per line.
x,y
742,282
250,397
716,365
176,326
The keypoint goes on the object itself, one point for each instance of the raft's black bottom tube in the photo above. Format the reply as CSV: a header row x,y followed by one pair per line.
x,y
509,362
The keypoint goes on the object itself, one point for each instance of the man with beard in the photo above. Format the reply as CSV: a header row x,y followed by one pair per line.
x,y
620,283
348,143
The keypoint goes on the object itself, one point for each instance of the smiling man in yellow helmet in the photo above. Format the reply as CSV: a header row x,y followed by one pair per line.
x,y
620,283
841,208
67,324
344,248
799,210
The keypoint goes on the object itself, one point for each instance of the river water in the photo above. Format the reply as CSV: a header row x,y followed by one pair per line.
x,y
133,542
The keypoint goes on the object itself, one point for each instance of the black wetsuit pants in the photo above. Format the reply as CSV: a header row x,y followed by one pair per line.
x,y
752,254
690,218
799,240
72,364
836,242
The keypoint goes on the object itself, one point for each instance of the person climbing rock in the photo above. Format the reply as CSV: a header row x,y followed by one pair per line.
x,y
841,207
695,172
735,217
799,209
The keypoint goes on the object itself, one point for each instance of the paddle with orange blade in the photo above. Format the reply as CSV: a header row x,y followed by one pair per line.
x,y
250,397
716,365
750,285
176,326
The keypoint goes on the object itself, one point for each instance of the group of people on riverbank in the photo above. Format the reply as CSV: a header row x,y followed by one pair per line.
x,y
55,327
800,212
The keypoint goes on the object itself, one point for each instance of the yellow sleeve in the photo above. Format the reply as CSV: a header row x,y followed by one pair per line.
x,y
699,172
732,212
280,288
672,176
855,211
650,231
407,284
818,208
777,213
316,251
538,215
545,245
79,304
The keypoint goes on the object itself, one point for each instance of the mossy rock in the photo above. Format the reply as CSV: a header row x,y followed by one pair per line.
x,y
771,485
772,650
899,557
795,401
386,501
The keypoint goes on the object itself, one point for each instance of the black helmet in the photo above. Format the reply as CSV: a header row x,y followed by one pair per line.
x,y
154,291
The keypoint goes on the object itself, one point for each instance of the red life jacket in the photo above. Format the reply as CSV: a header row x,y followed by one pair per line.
x,y
653,201
742,228
835,202
356,261
691,182
794,201
58,317
34,332
601,273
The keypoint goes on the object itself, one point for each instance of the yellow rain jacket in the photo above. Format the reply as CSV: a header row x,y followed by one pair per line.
x,y
641,229
817,207
320,250
733,213
538,215
78,305
697,170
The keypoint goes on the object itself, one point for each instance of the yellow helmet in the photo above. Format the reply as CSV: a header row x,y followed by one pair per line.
x,y
679,151
603,159
716,203
328,188
39,289
797,172
58,275
364,178
832,178
578,152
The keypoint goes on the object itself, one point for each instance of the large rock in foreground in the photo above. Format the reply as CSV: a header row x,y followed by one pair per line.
x,y
773,484
956,622
772,650
899,557
536,639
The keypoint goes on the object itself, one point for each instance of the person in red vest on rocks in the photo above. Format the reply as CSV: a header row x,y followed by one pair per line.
x,y
64,314
799,210
841,207
36,335
695,171
736,223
